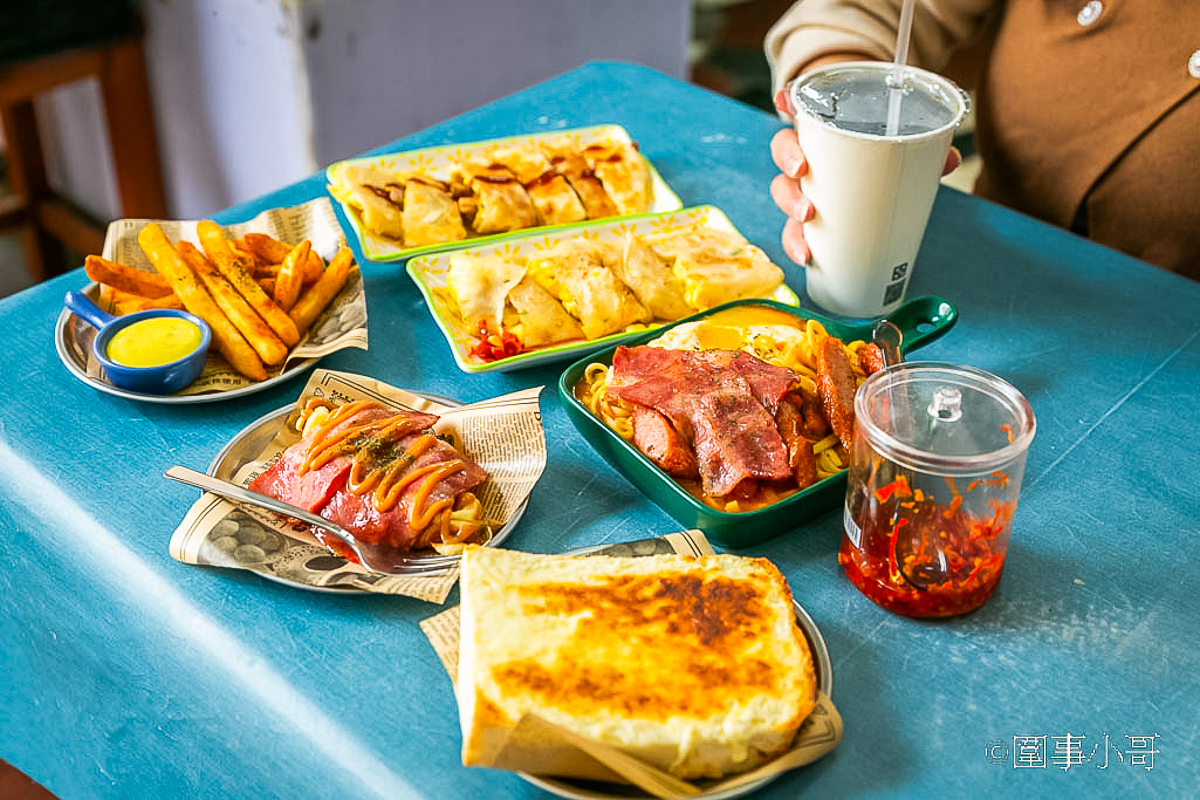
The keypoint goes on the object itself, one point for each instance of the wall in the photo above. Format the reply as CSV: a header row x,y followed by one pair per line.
x,y
252,95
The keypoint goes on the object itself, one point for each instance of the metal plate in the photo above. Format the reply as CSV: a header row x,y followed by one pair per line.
x,y
249,443
73,341
599,790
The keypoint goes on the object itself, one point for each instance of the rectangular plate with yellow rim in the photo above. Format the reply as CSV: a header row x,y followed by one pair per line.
x,y
438,162
429,273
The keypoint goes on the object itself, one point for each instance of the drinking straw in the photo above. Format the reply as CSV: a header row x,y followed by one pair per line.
x,y
901,58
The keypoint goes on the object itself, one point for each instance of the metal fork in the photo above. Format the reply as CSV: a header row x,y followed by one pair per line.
x,y
376,562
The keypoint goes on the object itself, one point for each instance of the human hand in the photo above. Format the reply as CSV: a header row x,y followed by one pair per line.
x,y
785,187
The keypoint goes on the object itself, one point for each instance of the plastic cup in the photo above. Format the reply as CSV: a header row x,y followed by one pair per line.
x,y
872,192
935,473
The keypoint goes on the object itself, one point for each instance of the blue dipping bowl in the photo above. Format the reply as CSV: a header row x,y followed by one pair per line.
x,y
164,379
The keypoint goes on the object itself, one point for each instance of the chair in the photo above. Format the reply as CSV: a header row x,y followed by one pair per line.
x,y
47,44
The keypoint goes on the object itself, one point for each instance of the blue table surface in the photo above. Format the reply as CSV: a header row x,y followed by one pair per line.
x,y
128,674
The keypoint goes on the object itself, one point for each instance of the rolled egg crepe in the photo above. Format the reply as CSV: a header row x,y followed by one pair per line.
x,y
369,192
556,202
574,272
624,174
491,289
503,203
430,214
536,318
716,266
651,279
569,162
480,285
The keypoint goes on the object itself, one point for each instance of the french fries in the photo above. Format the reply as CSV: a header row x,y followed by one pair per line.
x,y
269,250
128,279
122,302
260,336
314,299
197,300
290,278
218,250
258,309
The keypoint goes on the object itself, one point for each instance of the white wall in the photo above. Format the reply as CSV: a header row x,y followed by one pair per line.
x,y
251,95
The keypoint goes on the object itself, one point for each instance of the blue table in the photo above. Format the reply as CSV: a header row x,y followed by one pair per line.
x,y
127,674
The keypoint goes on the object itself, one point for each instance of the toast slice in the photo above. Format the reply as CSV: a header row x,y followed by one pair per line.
x,y
694,665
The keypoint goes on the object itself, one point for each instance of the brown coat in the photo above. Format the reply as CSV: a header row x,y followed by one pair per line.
x,y
1090,121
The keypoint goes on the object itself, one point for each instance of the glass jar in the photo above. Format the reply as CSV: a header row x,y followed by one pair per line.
x,y
939,453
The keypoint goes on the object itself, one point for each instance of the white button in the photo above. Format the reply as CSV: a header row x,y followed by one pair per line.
x,y
1090,13
1194,65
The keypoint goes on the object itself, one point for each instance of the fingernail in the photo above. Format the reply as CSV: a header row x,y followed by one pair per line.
x,y
791,166
798,254
802,211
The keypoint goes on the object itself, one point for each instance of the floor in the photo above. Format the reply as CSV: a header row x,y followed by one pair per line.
x,y
15,785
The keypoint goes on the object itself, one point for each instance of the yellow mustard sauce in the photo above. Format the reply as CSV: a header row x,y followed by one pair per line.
x,y
154,342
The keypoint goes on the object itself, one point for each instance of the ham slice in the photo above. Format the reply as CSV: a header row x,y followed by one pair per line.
x,y
394,528
723,402
324,490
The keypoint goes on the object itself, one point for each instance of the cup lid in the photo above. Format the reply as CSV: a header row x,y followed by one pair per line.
x,y
944,418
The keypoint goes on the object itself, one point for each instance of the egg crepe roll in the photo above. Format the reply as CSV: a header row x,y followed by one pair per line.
x,y
553,197
369,192
536,318
716,266
480,285
624,174
569,162
430,213
574,272
502,204
650,278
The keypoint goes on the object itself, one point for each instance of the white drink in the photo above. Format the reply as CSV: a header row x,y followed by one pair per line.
x,y
872,192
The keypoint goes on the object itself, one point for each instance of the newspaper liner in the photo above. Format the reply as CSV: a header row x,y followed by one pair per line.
x,y
342,325
503,434
538,747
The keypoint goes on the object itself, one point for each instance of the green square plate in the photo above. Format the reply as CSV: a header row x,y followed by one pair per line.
x,y
921,320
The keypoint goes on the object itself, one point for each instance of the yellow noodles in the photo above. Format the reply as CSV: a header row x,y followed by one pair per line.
x,y
785,345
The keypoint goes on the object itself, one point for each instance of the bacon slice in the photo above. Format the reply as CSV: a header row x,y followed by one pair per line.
x,y
394,528
722,402
287,480
736,439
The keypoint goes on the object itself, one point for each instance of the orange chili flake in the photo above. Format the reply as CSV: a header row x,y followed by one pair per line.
x,y
899,487
953,507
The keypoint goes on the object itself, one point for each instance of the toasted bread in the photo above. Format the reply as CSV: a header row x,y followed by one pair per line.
x,y
693,664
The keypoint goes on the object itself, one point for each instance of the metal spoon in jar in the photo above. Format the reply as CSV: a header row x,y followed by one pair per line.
x,y
926,572
888,338
374,558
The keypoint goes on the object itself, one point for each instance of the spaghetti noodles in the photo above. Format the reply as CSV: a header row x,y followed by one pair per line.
x,y
775,337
